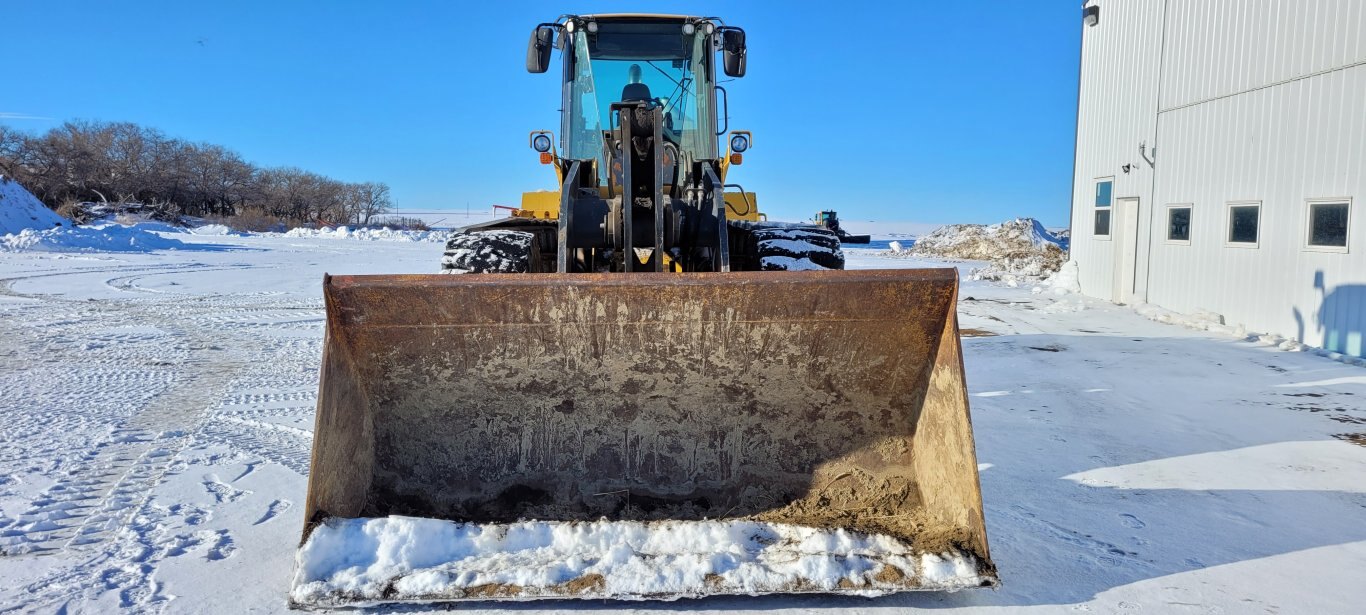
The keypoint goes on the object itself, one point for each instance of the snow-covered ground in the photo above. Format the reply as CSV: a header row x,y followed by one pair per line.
x,y
158,414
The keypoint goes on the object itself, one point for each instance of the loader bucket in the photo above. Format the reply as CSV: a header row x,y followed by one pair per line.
x,y
791,431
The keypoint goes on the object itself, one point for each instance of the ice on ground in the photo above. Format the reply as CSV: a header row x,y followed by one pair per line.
x,y
412,559
21,211
369,234
111,238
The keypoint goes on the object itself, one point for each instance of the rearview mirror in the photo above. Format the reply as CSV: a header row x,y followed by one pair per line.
x,y
538,49
733,49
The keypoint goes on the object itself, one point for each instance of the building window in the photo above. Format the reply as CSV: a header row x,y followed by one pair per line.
x,y
1244,222
1179,224
1328,221
1104,196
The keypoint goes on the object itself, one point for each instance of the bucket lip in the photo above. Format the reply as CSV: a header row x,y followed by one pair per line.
x,y
851,276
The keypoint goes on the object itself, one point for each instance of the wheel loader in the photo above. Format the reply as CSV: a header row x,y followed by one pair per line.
x,y
636,386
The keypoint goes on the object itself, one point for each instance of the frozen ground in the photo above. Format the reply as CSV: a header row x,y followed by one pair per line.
x,y
158,414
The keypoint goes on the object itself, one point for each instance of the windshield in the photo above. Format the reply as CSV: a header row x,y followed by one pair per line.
x,y
634,61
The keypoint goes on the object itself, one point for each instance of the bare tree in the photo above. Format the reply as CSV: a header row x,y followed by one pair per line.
x,y
374,200
80,161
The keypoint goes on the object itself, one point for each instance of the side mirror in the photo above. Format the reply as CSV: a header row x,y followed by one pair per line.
x,y
733,49
538,49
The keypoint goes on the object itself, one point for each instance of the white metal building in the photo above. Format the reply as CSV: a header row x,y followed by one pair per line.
x,y
1221,162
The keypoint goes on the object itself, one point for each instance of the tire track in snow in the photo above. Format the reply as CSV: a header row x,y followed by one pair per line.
x,y
114,427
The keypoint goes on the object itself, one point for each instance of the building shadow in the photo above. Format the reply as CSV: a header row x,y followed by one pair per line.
x,y
1341,317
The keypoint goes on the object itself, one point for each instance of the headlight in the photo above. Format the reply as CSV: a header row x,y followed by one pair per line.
x,y
592,27
739,143
688,28
541,143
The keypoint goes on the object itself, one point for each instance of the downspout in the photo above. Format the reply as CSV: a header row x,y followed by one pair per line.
x,y
1157,124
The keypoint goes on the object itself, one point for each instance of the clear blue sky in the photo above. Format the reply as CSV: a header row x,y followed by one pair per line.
x,y
909,111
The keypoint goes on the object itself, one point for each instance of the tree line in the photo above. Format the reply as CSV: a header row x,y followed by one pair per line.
x,y
122,162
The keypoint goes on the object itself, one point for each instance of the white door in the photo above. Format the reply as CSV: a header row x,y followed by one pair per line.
x,y
1126,249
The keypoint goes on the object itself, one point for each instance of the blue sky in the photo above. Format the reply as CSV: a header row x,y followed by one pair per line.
x,y
905,111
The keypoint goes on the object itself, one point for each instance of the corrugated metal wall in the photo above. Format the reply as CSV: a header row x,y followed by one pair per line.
x,y
1261,100
1116,112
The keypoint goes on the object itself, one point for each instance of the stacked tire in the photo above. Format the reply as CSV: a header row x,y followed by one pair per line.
x,y
491,251
793,248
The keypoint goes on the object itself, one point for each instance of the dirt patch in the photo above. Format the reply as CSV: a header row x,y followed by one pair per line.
x,y
890,574
1048,348
1358,439
976,333
494,590
587,583
882,504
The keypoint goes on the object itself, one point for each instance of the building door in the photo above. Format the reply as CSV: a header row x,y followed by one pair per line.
x,y
1126,249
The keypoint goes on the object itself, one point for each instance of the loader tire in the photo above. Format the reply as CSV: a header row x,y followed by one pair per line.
x,y
797,249
491,251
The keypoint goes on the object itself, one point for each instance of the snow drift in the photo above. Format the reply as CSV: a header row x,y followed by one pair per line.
x,y
368,234
28,225
112,238
20,210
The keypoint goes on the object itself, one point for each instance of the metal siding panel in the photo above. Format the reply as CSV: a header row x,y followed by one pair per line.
x,y
1117,111
1282,145
1223,47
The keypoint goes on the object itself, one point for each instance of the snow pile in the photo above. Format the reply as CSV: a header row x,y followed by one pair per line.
x,y
1019,250
216,230
1205,320
20,210
112,238
1065,281
406,558
1012,239
368,234
1200,320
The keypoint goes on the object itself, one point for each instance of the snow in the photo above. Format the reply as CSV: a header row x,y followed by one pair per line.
x,y
412,559
110,238
1017,251
987,242
20,210
219,230
788,263
159,407
369,234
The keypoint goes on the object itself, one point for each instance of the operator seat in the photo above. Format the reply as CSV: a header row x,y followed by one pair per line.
x,y
635,91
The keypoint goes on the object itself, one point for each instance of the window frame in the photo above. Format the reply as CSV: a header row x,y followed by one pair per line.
x,y
1308,234
1110,227
1190,224
1228,225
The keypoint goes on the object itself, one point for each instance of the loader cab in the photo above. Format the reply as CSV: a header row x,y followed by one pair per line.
x,y
675,59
